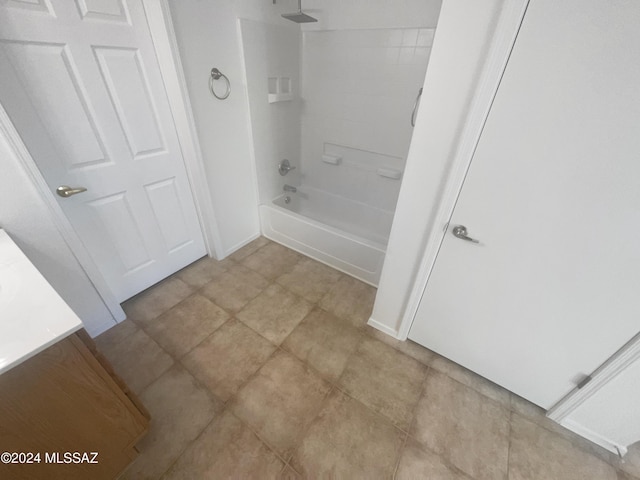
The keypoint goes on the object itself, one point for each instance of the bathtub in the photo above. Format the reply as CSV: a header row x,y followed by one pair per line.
x,y
346,235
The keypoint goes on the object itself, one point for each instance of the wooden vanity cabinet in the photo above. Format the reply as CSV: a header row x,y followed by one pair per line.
x,y
68,399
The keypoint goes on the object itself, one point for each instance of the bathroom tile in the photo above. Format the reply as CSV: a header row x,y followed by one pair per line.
x,y
309,279
135,356
626,476
280,401
595,450
226,359
351,300
203,271
418,462
395,36
180,410
234,288
468,429
226,449
537,415
111,339
631,464
158,299
472,380
274,313
538,453
290,474
323,341
415,351
272,260
425,37
391,55
406,55
185,325
385,380
410,37
249,248
348,440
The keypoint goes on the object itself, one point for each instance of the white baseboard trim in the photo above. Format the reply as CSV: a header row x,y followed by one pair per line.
x,y
383,328
239,245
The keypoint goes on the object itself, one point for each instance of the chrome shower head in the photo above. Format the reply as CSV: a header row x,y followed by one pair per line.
x,y
299,17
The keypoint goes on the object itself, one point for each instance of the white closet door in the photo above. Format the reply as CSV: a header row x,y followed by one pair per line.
x,y
553,196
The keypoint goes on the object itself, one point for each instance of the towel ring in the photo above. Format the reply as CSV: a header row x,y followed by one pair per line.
x,y
215,75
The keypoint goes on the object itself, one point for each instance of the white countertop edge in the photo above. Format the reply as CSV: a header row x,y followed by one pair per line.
x,y
39,349
33,316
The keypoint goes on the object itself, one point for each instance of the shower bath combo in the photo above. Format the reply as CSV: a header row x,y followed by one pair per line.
x,y
341,105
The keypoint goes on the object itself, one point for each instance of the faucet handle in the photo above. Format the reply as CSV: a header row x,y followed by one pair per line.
x,y
284,167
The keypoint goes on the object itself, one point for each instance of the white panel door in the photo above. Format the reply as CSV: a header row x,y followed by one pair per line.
x,y
81,83
553,195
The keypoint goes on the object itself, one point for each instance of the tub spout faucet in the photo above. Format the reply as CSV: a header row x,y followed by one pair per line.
x,y
289,188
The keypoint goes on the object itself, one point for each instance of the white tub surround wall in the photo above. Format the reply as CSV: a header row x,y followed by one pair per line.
x,y
464,31
272,61
361,14
359,89
29,221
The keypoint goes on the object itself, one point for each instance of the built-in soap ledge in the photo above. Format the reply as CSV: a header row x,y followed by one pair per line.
x,y
331,159
280,97
390,173
279,89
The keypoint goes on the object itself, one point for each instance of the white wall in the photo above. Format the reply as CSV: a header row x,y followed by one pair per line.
x,y
27,219
460,46
359,87
347,14
207,37
273,51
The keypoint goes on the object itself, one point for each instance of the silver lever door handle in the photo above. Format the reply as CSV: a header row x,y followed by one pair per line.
x,y
460,231
66,191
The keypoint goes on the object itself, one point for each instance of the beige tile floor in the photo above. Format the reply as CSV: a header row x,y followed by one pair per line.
x,y
262,366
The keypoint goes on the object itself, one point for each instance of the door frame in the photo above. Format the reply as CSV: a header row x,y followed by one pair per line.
x,y
60,220
166,46
166,49
499,51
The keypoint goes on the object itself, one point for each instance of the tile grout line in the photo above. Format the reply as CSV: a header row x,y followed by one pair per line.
x,y
338,385
509,447
228,405
303,435
400,452
414,415
183,451
450,465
